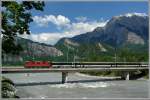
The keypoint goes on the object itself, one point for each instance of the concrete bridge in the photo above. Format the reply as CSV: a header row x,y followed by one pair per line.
x,y
65,68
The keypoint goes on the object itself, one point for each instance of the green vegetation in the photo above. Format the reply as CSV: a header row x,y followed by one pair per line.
x,y
92,53
8,89
16,17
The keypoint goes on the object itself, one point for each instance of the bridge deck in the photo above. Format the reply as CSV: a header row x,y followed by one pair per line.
x,y
78,67
41,70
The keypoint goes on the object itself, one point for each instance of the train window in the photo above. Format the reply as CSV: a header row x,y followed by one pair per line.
x,y
38,62
28,62
32,62
44,62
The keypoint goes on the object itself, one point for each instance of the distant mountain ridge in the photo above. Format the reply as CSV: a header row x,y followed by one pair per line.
x,y
120,30
38,49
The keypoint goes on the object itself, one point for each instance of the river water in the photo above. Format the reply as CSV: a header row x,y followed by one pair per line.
x,y
48,85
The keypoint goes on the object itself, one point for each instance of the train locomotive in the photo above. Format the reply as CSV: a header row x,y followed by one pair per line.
x,y
38,64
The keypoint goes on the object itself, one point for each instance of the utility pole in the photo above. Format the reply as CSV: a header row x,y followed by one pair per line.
x,y
74,60
115,55
33,52
116,50
67,52
88,50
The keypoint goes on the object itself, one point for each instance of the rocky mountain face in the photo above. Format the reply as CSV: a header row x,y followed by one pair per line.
x,y
32,50
39,49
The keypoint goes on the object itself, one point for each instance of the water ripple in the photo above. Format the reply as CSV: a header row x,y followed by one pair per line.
x,y
82,85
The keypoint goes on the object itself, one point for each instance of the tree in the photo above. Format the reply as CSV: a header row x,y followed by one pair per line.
x,y
16,17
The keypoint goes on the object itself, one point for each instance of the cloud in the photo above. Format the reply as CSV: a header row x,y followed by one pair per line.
x,y
81,19
83,27
71,28
75,29
59,20
48,38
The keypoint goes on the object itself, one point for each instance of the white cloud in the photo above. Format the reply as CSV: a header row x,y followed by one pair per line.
x,y
57,20
48,38
133,14
70,30
81,18
75,29
137,14
83,27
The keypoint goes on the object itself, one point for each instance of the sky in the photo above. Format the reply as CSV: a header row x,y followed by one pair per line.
x,y
68,19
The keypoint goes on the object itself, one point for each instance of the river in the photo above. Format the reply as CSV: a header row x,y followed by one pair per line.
x,y
48,85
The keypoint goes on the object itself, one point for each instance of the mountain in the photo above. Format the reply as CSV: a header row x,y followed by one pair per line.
x,y
38,49
118,31
123,38
32,50
125,32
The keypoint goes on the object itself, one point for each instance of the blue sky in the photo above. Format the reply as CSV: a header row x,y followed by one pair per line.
x,y
67,19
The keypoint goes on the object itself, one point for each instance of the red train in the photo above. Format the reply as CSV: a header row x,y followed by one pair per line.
x,y
37,64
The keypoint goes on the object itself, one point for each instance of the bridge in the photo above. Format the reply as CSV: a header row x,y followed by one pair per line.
x,y
125,67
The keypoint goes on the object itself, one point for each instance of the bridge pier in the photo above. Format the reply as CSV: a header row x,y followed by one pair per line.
x,y
126,76
64,77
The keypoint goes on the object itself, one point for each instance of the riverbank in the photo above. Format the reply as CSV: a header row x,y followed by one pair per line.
x,y
113,74
94,76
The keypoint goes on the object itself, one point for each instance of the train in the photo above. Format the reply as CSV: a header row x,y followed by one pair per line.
x,y
38,64
49,64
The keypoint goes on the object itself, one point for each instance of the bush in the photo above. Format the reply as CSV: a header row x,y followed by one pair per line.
x,y
8,88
